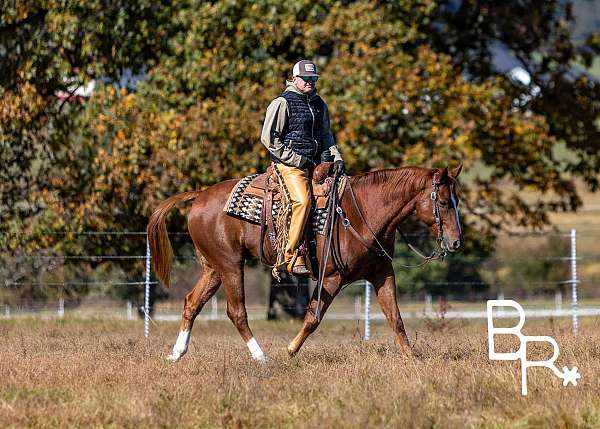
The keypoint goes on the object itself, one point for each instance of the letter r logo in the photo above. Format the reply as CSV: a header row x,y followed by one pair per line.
x,y
568,376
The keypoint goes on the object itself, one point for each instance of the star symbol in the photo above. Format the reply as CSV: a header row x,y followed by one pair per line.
x,y
570,376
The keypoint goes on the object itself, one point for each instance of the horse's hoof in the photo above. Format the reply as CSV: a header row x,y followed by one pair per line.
x,y
175,357
262,359
259,357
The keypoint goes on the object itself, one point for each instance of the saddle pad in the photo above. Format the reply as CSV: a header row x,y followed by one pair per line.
x,y
248,207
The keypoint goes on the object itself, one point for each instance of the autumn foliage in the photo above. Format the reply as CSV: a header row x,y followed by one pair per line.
x,y
399,93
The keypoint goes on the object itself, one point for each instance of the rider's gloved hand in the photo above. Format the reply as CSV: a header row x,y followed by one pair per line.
x,y
338,168
307,163
326,156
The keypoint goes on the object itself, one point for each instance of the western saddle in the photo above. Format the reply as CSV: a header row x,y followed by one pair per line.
x,y
267,182
266,187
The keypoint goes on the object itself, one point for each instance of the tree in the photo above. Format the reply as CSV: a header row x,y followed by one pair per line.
x,y
539,35
394,101
46,49
398,94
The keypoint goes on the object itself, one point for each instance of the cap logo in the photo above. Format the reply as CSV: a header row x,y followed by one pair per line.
x,y
309,67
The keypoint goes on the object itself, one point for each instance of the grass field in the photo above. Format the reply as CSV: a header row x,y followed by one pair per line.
x,y
90,373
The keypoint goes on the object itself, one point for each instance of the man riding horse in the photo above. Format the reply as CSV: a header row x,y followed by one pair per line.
x,y
368,212
297,134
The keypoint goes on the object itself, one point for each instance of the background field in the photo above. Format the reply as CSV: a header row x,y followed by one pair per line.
x,y
75,373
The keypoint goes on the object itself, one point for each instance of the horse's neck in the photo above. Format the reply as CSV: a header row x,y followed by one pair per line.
x,y
385,203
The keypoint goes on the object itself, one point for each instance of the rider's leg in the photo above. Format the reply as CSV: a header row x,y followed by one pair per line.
x,y
296,181
331,287
233,282
384,283
205,288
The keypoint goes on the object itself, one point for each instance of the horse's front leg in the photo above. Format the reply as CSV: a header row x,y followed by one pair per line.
x,y
331,287
384,282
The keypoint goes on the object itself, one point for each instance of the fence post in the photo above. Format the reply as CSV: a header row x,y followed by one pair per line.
x,y
7,310
367,310
129,310
428,304
574,279
357,306
61,307
147,291
214,306
558,301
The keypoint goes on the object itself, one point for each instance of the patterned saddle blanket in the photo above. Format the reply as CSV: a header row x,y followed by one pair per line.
x,y
246,199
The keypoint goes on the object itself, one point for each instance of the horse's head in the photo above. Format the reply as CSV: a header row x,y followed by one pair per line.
x,y
437,207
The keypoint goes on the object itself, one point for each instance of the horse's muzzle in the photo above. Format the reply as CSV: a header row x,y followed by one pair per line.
x,y
450,246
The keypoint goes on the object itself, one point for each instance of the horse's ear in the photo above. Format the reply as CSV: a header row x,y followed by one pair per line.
x,y
443,174
454,173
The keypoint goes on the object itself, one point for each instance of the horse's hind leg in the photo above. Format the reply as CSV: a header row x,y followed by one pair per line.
x,y
233,282
205,288
331,287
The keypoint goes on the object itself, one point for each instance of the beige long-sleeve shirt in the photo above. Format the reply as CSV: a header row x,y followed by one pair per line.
x,y
276,121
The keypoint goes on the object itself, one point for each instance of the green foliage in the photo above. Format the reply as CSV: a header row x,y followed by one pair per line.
x,y
538,33
48,48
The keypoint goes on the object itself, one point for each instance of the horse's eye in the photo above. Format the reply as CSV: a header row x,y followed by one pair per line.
x,y
443,204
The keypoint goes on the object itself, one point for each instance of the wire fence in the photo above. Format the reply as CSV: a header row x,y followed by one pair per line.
x,y
96,258
358,313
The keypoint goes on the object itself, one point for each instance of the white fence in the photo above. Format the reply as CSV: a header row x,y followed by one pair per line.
x,y
367,315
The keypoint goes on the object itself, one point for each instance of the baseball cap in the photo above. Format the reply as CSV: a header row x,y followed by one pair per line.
x,y
305,68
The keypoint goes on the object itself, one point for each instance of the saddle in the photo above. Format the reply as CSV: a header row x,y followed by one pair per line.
x,y
257,199
321,182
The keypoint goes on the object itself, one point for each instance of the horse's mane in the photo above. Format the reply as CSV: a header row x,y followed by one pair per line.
x,y
394,180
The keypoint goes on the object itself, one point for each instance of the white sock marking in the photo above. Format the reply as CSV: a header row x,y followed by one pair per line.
x,y
255,350
180,346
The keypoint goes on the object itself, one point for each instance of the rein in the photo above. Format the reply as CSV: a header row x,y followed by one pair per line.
x,y
434,255
380,251
331,211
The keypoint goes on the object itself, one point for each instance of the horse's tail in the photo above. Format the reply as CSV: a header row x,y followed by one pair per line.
x,y
158,238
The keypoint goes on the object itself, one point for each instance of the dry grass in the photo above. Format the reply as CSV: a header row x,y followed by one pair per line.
x,y
76,373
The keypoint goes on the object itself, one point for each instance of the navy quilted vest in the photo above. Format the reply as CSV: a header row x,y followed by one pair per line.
x,y
304,133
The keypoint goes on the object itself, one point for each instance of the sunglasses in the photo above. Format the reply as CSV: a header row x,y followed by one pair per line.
x,y
309,78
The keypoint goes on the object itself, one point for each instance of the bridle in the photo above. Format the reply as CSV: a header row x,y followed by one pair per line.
x,y
435,185
435,190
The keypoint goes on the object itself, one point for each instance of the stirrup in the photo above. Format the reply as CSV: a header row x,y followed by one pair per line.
x,y
297,266
301,271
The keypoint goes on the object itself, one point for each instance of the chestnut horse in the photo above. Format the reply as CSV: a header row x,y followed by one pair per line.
x,y
374,204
